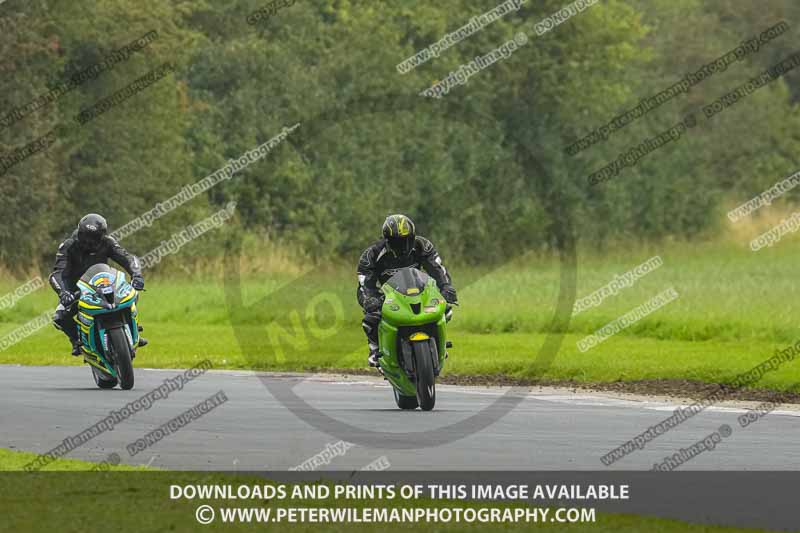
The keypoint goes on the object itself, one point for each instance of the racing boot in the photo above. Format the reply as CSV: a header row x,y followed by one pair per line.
x,y
142,340
374,355
76,347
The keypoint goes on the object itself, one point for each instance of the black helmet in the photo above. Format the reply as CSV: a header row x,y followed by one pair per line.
x,y
91,230
400,234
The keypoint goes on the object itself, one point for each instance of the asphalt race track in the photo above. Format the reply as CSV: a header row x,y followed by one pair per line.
x,y
548,430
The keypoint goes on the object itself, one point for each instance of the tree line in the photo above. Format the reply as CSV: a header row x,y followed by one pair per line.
x,y
490,165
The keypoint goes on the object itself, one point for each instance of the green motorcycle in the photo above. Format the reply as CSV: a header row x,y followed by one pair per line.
x,y
412,337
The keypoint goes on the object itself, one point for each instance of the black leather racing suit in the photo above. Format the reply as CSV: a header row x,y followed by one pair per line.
x,y
378,264
72,261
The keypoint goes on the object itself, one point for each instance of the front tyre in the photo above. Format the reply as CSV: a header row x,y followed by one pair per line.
x,y
405,402
118,342
426,385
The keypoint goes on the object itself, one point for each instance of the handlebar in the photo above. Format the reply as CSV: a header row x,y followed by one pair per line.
x,y
77,296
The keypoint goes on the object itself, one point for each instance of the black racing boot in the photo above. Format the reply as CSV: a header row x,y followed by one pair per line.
x,y
76,347
374,355
142,340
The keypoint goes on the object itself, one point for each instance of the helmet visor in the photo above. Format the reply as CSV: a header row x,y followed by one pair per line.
x,y
401,245
90,240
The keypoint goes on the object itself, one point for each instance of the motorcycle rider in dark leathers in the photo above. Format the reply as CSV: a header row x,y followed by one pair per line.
x,y
88,245
400,247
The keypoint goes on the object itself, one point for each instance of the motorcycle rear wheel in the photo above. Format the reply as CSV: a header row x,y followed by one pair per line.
x,y
103,380
405,402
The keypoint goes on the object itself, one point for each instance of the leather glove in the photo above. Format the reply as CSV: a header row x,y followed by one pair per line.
x,y
449,294
66,298
137,282
373,304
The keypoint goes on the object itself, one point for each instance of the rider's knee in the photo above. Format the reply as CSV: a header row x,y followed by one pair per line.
x,y
61,322
371,318
370,323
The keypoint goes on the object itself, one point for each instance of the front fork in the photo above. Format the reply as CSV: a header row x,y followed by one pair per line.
x,y
96,354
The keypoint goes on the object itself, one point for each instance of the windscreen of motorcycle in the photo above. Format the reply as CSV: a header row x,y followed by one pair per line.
x,y
408,281
101,278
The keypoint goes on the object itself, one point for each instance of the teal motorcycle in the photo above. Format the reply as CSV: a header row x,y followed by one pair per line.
x,y
412,337
108,326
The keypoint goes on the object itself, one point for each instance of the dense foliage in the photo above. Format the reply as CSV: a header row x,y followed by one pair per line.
x,y
482,170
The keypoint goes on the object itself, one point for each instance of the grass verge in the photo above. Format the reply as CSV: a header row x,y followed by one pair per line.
x,y
735,309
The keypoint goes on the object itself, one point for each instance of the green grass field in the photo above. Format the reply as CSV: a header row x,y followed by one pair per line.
x,y
16,460
735,308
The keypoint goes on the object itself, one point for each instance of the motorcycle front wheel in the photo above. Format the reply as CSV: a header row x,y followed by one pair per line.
x,y
426,384
118,342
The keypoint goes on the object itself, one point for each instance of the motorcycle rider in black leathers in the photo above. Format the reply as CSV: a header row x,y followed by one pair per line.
x,y
88,245
400,247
